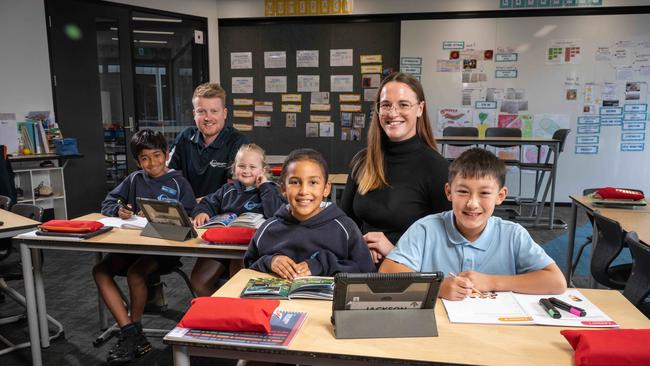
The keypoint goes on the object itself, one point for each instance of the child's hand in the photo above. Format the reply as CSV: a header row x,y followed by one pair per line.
x,y
455,288
125,212
284,267
480,281
140,213
200,219
303,269
198,199
378,241
261,179
376,256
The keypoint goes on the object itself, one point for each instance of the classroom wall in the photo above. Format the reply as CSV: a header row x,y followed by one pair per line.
x,y
24,63
255,8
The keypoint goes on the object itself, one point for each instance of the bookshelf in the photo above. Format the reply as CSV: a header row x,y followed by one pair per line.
x,y
29,174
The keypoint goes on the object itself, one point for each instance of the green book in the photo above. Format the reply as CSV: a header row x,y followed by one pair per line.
x,y
310,287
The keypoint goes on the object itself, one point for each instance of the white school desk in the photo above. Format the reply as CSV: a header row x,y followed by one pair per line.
x,y
115,241
630,219
553,145
466,344
14,224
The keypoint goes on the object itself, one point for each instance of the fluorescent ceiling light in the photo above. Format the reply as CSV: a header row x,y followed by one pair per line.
x,y
152,32
149,41
165,20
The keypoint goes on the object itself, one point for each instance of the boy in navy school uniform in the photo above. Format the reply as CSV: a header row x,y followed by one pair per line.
x,y
303,238
486,252
156,181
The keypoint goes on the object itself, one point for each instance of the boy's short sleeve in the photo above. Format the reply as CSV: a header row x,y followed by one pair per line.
x,y
409,250
529,255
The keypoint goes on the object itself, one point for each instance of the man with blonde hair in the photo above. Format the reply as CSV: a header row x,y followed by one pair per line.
x,y
205,153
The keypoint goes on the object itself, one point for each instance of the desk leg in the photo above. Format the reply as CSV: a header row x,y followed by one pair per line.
x,y
101,308
571,243
181,356
30,297
37,260
556,155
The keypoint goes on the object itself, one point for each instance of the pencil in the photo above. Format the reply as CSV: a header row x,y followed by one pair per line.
x,y
452,274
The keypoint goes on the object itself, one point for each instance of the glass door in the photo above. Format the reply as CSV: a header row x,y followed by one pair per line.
x,y
169,58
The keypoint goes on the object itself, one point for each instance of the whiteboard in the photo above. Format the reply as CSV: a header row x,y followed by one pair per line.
x,y
546,84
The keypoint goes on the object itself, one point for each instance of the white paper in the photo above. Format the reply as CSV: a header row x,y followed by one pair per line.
x,y
275,84
9,132
320,98
134,222
341,57
307,58
242,85
341,83
326,129
275,60
241,60
308,83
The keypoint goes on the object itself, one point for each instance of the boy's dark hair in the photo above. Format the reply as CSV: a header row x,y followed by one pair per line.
x,y
304,154
478,163
147,139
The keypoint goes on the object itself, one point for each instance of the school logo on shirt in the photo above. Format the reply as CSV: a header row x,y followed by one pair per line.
x,y
218,164
169,190
250,206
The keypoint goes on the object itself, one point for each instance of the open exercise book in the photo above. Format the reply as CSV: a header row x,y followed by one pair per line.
x,y
512,308
284,326
310,287
247,219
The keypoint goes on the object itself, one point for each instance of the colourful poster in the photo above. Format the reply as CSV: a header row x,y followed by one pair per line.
x,y
456,117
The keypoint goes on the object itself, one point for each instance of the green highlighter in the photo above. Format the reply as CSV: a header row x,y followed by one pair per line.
x,y
550,309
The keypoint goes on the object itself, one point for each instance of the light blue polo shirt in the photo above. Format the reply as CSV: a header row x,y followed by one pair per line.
x,y
433,244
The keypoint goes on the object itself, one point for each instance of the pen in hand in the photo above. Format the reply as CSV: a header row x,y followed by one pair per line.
x,y
452,274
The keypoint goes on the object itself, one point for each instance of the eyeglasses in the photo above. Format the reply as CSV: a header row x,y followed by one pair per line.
x,y
403,107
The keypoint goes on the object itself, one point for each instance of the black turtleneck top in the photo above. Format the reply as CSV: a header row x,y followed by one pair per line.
x,y
416,175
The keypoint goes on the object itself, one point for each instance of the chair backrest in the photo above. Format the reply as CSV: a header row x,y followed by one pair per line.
x,y
5,202
460,131
561,135
608,246
30,211
502,132
637,288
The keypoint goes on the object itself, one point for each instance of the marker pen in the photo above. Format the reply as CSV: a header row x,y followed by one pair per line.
x,y
550,309
567,307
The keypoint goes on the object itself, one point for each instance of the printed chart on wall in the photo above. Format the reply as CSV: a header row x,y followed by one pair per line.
x,y
539,75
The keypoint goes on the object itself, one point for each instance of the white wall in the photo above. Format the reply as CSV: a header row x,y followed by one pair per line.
x,y
24,62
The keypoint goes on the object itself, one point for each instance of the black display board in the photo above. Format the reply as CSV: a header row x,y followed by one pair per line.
x,y
363,36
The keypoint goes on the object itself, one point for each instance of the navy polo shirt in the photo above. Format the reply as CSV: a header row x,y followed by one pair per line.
x,y
207,168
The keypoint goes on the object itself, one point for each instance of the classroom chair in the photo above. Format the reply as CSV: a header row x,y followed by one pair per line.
x,y
458,131
114,329
637,288
5,202
608,244
12,271
540,169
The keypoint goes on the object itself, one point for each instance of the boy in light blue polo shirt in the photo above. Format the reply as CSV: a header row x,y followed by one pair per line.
x,y
485,252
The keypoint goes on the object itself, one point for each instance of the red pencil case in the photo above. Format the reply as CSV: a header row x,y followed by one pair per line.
x,y
229,235
620,194
230,314
609,347
71,226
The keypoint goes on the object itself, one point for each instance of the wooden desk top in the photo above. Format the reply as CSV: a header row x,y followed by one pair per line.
x,y
340,179
456,343
15,222
120,237
631,219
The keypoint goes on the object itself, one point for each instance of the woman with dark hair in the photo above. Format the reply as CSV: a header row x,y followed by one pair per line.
x,y
400,176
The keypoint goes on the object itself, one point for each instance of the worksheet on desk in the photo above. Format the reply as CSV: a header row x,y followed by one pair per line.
x,y
134,222
489,308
